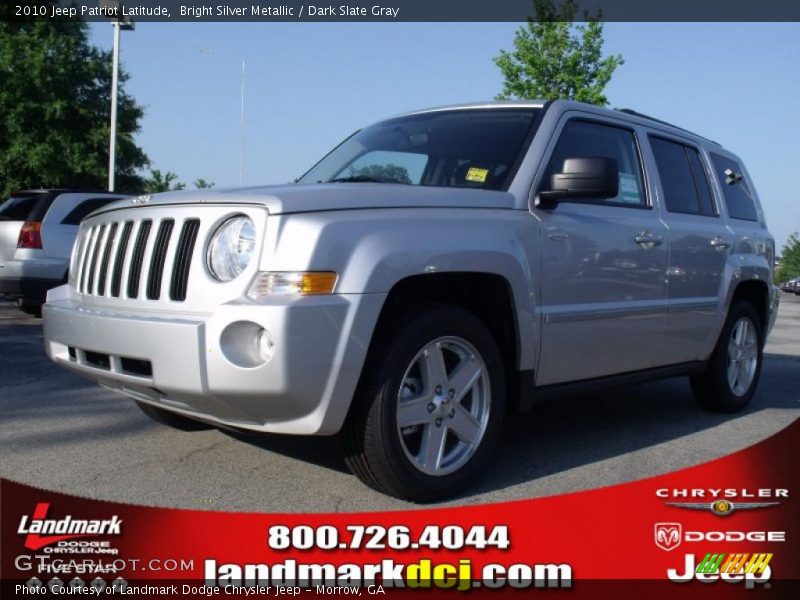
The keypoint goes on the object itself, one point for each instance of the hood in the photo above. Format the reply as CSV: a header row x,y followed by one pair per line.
x,y
294,198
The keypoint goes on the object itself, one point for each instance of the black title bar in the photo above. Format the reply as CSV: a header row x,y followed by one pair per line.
x,y
394,10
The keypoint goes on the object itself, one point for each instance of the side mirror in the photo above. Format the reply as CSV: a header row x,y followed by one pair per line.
x,y
588,177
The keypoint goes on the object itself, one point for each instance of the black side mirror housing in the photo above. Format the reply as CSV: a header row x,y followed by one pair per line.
x,y
587,177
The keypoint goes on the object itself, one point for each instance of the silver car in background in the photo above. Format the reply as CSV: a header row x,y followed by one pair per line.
x,y
432,272
792,286
37,231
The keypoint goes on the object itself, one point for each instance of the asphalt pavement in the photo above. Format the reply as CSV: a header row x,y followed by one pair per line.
x,y
61,432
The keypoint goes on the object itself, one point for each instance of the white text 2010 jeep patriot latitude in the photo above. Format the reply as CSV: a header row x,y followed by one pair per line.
x,y
430,273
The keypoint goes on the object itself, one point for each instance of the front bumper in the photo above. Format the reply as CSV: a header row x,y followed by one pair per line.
x,y
203,366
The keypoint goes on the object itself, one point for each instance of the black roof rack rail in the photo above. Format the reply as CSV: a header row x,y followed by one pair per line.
x,y
630,111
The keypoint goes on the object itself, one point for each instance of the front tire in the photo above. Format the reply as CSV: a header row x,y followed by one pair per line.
x,y
730,381
171,419
429,408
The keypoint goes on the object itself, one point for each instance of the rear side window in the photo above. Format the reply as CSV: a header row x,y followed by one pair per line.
x,y
683,178
18,208
701,182
738,197
588,139
77,214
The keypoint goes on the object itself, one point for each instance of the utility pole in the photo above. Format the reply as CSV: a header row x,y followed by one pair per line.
x,y
112,143
118,23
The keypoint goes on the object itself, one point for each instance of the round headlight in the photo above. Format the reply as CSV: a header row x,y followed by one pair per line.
x,y
231,248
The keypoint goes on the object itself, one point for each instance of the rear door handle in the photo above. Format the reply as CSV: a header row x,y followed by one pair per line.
x,y
647,240
720,243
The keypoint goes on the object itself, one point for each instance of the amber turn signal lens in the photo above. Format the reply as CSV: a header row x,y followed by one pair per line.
x,y
292,283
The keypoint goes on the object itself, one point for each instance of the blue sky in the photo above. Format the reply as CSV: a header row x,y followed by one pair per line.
x,y
308,85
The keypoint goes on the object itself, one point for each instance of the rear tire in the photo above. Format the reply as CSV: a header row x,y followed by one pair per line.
x,y
429,409
730,381
171,419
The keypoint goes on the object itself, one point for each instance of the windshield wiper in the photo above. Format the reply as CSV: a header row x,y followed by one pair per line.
x,y
362,179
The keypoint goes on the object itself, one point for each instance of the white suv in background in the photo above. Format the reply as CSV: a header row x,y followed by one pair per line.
x,y
37,231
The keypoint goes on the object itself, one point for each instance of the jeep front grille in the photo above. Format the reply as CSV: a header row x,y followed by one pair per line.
x,y
121,255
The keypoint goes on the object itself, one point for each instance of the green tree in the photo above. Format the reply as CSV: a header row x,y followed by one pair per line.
x,y
553,58
790,259
55,91
202,184
162,182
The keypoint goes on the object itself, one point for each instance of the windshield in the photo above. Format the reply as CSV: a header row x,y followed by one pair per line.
x,y
476,148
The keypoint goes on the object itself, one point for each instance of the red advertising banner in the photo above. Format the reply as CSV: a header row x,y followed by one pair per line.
x,y
724,528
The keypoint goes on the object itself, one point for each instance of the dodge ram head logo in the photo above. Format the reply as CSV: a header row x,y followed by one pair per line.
x,y
668,535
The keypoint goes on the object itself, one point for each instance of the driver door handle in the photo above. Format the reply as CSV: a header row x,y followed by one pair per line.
x,y
647,240
720,242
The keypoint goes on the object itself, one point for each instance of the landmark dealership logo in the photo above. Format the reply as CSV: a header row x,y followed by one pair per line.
x,y
41,531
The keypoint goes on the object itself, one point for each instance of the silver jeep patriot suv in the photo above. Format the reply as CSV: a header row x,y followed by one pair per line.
x,y
432,272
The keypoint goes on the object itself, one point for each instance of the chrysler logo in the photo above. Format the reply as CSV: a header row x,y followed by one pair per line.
x,y
722,508
141,199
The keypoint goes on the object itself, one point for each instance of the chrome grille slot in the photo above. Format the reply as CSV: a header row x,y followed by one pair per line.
x,y
116,277
158,259
98,242
183,260
138,258
101,283
87,254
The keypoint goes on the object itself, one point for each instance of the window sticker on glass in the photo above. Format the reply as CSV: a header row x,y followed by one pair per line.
x,y
477,175
629,189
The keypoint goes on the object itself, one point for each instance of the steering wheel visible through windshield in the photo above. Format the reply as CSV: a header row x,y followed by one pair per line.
x,y
473,148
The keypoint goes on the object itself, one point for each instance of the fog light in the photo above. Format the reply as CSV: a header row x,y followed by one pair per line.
x,y
246,344
266,347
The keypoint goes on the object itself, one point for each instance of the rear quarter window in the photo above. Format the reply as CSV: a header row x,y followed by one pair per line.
x,y
701,181
18,208
738,196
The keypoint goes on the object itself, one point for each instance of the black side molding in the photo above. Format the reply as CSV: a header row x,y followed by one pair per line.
x,y
547,392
